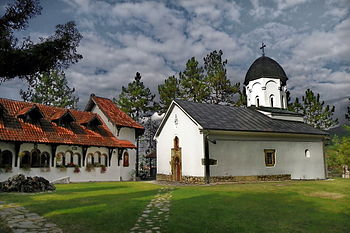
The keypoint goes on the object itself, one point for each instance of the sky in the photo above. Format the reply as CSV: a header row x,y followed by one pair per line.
x,y
309,38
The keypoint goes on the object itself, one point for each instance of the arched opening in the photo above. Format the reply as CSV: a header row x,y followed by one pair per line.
x,y
60,159
257,103
68,158
45,159
307,153
282,103
177,169
126,159
176,143
6,159
77,159
89,159
271,101
103,159
97,155
25,159
35,155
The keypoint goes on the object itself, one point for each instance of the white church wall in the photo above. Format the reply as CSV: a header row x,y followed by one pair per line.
x,y
244,156
264,88
190,142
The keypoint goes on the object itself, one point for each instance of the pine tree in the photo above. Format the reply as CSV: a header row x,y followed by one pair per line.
x,y
27,59
347,115
52,89
221,89
168,91
136,99
315,112
192,82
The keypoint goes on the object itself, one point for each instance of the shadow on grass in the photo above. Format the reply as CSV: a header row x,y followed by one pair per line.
x,y
112,210
254,212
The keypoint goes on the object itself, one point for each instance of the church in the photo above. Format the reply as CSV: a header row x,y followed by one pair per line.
x,y
199,142
97,144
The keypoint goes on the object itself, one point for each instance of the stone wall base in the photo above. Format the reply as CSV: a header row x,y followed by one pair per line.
x,y
215,179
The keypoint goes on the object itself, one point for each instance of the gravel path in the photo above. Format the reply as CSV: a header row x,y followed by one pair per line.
x,y
20,220
155,214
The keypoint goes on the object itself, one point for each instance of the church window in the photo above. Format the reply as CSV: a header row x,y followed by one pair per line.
x,y
282,104
35,158
45,159
307,153
257,101
270,157
271,100
5,159
126,159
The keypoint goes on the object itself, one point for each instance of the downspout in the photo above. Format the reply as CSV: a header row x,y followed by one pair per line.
x,y
206,159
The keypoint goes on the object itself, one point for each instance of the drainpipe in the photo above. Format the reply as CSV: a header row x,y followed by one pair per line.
x,y
206,159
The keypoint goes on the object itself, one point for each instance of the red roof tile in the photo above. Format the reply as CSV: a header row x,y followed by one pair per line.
x,y
112,112
13,128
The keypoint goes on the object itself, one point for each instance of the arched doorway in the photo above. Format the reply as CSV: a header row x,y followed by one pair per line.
x,y
175,162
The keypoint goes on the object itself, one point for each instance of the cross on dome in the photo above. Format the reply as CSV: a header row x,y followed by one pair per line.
x,y
262,48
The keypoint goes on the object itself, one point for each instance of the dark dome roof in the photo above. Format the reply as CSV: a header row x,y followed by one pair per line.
x,y
265,67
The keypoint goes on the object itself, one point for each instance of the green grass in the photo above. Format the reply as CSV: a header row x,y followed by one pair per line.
x,y
90,207
294,206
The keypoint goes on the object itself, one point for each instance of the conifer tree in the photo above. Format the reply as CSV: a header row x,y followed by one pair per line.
x,y
192,81
51,88
25,60
315,112
221,89
168,91
347,115
136,99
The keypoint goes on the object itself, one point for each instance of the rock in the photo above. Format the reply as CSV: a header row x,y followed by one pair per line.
x,y
62,180
20,183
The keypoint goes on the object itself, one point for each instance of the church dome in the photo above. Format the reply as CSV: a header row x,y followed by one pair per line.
x,y
265,67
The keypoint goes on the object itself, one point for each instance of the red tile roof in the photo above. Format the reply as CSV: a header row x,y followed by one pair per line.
x,y
112,112
13,128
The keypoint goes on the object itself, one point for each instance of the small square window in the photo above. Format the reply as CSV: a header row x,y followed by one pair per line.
x,y
270,157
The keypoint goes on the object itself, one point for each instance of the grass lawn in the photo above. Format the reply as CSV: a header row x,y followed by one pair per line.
x,y
292,206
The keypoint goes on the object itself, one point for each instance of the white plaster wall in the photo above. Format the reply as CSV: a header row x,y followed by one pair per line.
x,y
244,156
113,173
264,88
125,133
190,142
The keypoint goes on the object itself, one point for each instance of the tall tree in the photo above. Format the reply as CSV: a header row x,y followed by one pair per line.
x,y
136,99
315,112
347,115
51,88
192,81
168,91
27,59
221,89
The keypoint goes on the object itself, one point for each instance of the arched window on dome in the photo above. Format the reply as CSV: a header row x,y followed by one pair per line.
x,y
271,100
257,103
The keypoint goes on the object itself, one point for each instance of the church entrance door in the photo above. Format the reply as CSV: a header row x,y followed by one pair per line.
x,y
177,169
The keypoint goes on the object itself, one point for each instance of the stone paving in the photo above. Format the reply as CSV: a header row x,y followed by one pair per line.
x,y
20,220
155,214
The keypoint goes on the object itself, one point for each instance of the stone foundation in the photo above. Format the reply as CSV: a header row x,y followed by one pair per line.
x,y
215,179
